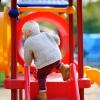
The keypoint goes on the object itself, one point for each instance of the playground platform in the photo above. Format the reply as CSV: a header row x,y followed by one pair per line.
x,y
90,93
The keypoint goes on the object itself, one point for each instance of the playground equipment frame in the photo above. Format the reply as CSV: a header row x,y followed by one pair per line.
x,y
71,33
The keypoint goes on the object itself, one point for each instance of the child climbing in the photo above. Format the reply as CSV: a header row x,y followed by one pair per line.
x,y
43,48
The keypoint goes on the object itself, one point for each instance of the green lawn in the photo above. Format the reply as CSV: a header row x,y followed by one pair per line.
x,y
91,16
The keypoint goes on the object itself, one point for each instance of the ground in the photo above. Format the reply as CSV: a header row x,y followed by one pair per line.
x,y
92,93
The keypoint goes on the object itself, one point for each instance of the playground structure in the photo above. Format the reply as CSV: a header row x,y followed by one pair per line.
x,y
70,90
93,74
5,42
20,62
92,50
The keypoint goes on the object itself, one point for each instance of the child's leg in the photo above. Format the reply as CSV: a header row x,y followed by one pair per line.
x,y
41,80
42,75
42,85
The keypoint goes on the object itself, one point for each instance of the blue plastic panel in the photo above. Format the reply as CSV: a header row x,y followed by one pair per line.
x,y
92,49
43,3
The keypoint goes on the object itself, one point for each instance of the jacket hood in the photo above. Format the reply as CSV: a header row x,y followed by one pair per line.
x,y
31,26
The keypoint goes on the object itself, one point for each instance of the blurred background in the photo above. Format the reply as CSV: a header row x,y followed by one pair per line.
x,y
91,40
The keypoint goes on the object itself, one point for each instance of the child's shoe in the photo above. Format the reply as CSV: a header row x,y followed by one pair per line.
x,y
41,96
65,71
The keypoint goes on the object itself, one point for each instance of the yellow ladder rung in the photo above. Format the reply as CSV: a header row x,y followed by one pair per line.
x,y
68,10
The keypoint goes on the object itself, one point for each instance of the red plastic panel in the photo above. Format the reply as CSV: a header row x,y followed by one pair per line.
x,y
54,19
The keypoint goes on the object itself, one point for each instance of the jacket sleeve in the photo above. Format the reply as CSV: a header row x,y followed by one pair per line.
x,y
27,54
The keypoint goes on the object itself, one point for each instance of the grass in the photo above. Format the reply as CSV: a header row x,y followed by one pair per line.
x,y
2,78
1,7
91,18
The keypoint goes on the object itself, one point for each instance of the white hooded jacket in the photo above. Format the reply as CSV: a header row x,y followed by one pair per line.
x,y
41,47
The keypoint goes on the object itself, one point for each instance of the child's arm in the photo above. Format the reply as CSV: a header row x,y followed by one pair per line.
x,y
27,54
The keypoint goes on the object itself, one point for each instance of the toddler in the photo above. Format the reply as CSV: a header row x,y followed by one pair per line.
x,y
42,47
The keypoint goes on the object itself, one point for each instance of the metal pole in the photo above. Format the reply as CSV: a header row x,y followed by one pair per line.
x,y
71,35
20,94
13,50
80,43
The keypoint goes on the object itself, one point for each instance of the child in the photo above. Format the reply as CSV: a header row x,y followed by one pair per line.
x,y
43,48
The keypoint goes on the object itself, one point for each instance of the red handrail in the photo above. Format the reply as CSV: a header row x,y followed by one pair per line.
x,y
27,83
75,87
